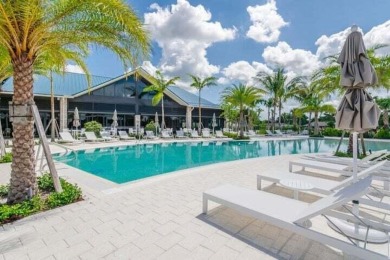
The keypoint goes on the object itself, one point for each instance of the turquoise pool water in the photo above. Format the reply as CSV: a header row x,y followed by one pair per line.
x,y
129,163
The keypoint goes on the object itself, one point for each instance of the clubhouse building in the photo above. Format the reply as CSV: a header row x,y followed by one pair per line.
x,y
97,103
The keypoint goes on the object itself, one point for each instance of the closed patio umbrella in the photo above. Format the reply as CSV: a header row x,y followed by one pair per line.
x,y
214,122
76,118
156,121
114,124
357,111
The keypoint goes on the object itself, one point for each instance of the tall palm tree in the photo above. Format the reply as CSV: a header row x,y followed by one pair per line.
x,y
384,104
199,84
316,105
158,88
32,32
242,96
277,86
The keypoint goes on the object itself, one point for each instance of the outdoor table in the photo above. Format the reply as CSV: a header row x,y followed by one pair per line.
x,y
296,185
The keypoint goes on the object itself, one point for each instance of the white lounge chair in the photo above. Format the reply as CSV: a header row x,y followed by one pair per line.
x,y
180,134
67,138
219,134
206,133
165,134
342,169
269,133
304,132
124,136
279,133
369,159
194,134
150,135
320,185
106,136
293,215
91,137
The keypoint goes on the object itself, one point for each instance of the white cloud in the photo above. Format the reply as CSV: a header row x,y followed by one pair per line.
x,y
74,69
243,71
149,67
297,61
379,34
266,22
184,32
330,45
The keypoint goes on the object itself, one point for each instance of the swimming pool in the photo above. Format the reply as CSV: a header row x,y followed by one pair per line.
x,y
129,163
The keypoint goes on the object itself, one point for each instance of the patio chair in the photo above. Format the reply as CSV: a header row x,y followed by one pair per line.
x,y
219,134
67,138
194,134
295,216
91,137
305,132
165,134
206,133
124,136
180,134
269,133
369,159
106,136
150,135
320,185
279,133
341,169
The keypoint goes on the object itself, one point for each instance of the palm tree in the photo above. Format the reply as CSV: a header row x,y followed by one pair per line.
x,y
384,104
242,96
278,87
158,88
199,84
55,32
316,106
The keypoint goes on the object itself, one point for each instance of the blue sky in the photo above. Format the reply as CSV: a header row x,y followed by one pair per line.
x,y
233,39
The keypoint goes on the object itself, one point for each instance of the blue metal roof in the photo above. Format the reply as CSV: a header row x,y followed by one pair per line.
x,y
64,85
190,98
71,84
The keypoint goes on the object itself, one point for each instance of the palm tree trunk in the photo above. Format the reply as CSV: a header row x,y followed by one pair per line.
x,y
241,123
200,117
268,117
23,178
162,114
280,115
274,118
309,124
316,123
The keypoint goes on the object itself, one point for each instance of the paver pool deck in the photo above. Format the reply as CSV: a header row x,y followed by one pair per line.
x,y
159,218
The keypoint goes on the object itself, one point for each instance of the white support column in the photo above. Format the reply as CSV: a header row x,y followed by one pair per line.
x,y
63,113
189,117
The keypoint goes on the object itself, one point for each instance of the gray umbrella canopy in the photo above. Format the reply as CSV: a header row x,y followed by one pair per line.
x,y
357,110
156,120
76,118
115,119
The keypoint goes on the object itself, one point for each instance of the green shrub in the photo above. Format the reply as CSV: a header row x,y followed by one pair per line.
x,y
230,135
93,126
241,138
318,136
71,193
4,191
383,134
350,155
7,158
329,131
151,126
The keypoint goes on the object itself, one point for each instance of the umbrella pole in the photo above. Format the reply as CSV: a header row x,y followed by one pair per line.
x,y
355,137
